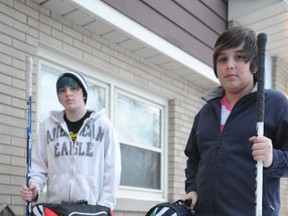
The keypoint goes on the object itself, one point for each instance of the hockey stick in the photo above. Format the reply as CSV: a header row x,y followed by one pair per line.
x,y
261,43
29,66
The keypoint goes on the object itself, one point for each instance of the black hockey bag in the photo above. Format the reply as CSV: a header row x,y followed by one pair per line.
x,y
79,208
177,208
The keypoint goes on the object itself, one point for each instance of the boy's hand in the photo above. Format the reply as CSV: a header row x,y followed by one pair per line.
x,y
262,150
193,197
28,193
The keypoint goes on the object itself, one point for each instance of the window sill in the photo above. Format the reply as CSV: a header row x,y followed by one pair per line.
x,y
124,204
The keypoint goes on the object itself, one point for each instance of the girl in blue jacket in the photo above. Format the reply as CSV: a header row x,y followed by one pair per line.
x,y
223,148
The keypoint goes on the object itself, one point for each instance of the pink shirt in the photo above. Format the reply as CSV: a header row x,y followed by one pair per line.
x,y
225,112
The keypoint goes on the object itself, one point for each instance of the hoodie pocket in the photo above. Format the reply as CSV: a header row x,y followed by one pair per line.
x,y
58,188
86,188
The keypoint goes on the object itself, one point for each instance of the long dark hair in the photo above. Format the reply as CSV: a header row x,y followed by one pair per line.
x,y
233,38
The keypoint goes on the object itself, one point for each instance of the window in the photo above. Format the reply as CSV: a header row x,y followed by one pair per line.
x,y
47,92
139,117
97,94
140,130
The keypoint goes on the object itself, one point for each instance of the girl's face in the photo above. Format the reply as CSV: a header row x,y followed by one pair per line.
x,y
233,72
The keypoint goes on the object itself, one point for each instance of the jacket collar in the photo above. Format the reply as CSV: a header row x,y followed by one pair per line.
x,y
219,92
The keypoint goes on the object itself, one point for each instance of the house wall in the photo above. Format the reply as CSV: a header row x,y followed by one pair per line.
x,y
279,74
280,83
189,25
24,25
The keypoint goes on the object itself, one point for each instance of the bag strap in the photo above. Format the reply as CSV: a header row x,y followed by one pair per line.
x,y
85,202
165,204
186,203
181,202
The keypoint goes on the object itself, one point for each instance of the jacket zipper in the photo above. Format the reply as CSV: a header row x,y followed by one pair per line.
x,y
71,166
218,144
73,159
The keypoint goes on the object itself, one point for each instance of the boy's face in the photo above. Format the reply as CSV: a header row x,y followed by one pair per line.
x,y
233,72
71,97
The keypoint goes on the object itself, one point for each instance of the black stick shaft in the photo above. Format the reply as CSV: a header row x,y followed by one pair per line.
x,y
261,43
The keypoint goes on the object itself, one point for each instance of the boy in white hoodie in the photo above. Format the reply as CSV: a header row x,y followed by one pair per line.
x,y
77,153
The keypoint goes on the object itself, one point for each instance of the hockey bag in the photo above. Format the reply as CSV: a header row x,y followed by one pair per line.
x,y
69,209
177,208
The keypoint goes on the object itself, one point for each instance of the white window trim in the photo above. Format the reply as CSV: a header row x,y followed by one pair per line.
x,y
58,57
149,194
268,72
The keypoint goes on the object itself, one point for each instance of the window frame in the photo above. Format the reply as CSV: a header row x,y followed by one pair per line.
x,y
127,191
57,70
62,61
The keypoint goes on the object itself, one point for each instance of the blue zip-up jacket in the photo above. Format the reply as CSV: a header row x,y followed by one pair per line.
x,y
220,167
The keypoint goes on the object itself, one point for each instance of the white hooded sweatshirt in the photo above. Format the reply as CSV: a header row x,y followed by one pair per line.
x,y
87,170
